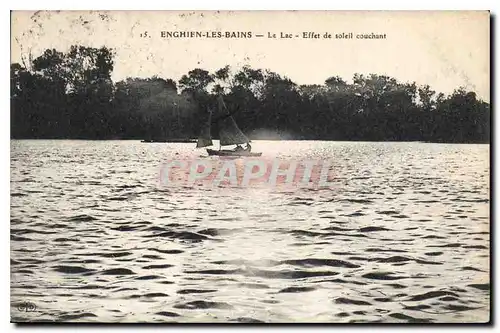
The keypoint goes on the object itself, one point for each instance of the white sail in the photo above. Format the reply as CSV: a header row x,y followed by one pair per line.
x,y
205,138
229,132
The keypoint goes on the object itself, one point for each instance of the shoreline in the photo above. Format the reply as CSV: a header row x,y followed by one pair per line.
x,y
194,140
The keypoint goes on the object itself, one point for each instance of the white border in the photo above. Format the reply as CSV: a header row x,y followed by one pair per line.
x,y
259,5
185,5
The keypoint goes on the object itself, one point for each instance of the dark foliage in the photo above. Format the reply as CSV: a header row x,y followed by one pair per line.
x,y
71,95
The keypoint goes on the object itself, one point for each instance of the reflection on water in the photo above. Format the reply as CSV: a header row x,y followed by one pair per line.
x,y
402,236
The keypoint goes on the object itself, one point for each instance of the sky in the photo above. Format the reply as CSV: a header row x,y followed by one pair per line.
x,y
444,49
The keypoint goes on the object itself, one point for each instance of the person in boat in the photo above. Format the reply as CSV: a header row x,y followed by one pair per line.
x,y
249,148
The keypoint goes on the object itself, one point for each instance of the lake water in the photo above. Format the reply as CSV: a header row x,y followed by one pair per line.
x,y
401,236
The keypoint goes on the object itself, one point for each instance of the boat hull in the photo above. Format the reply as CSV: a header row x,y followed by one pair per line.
x,y
232,153
168,141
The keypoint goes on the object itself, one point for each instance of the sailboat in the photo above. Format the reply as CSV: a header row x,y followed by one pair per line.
x,y
229,134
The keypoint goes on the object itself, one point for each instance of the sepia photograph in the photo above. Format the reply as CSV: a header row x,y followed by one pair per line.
x,y
249,167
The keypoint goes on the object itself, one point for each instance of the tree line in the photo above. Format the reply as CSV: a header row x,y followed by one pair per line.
x,y
70,95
